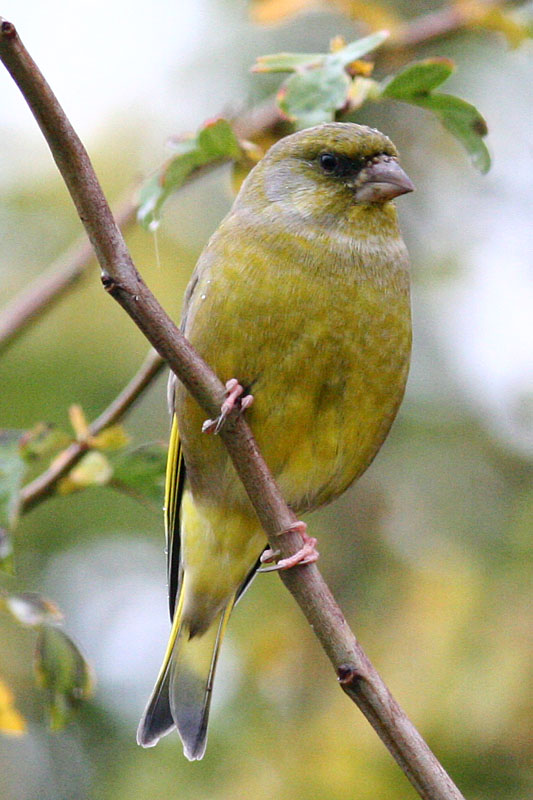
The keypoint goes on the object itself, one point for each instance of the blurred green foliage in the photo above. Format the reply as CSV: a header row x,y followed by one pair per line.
x,y
427,554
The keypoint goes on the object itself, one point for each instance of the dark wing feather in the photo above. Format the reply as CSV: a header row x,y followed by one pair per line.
x,y
175,481
249,578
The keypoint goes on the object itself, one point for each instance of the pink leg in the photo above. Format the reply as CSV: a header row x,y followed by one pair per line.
x,y
306,555
233,395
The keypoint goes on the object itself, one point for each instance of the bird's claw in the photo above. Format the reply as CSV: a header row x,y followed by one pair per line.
x,y
234,393
307,554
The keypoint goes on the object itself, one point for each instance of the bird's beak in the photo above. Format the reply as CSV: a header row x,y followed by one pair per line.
x,y
381,181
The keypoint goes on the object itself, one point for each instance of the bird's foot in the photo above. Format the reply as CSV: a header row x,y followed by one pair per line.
x,y
234,393
307,554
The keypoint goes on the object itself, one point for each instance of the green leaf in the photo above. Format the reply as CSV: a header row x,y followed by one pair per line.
x,y
60,668
42,441
12,469
141,472
320,84
32,608
63,672
296,62
309,98
6,552
465,122
217,139
150,199
178,170
288,62
414,85
183,146
214,142
419,78
358,48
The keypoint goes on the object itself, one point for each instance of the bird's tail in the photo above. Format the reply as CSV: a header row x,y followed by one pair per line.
x,y
182,694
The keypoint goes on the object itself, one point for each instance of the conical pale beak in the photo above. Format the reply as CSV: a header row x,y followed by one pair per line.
x,y
381,181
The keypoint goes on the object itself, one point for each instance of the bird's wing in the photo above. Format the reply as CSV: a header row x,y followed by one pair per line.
x,y
175,481
174,485
176,474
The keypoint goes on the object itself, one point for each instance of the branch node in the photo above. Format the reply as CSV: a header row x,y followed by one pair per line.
x,y
347,675
108,282
8,30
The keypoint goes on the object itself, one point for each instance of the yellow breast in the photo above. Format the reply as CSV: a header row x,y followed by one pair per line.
x,y
317,327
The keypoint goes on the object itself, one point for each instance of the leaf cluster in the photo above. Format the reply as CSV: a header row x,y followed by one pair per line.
x,y
321,87
60,668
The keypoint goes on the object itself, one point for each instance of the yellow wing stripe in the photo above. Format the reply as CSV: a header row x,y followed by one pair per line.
x,y
172,480
176,624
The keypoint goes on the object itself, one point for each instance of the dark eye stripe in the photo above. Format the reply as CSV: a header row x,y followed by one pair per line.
x,y
341,166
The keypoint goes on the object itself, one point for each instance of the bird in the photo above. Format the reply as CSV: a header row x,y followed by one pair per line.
x,y
300,303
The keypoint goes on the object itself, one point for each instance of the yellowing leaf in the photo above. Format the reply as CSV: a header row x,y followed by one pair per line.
x,y
113,438
269,11
12,722
363,68
374,14
337,43
495,19
253,152
361,90
93,470
79,422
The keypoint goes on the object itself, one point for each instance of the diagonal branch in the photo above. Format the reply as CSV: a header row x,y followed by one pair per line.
x,y
45,484
356,674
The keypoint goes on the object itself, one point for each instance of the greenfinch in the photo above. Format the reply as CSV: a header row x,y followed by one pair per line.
x,y
302,296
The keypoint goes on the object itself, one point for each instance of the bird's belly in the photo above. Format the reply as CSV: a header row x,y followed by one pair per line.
x,y
326,388
320,424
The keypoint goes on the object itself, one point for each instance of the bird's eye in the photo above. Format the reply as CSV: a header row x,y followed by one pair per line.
x,y
329,163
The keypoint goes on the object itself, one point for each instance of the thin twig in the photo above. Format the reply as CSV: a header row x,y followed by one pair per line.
x,y
441,22
428,27
50,285
357,676
44,485
37,298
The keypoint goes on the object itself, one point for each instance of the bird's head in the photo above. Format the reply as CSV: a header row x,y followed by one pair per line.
x,y
327,170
